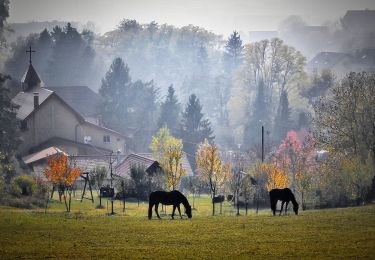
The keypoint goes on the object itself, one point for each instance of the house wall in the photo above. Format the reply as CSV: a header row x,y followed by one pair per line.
x,y
55,119
52,119
116,141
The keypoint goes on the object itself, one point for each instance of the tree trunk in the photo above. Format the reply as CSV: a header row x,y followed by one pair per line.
x,y
213,204
45,210
65,202
123,195
53,190
100,199
70,199
303,202
238,204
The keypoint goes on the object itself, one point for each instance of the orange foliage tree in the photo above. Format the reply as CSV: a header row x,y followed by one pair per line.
x,y
62,174
276,177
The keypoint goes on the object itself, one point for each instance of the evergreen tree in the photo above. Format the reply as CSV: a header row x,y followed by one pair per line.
x,y
8,121
233,51
128,105
72,57
194,129
260,116
56,33
4,14
170,110
141,117
282,122
115,88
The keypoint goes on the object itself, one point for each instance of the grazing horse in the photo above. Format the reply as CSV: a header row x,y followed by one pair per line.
x,y
218,199
174,198
285,195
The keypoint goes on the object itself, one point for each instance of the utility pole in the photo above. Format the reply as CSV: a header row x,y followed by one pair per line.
x,y
262,143
257,186
112,189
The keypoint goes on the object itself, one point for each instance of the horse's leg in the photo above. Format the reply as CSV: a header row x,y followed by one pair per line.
x,y
273,206
286,206
156,210
179,210
150,205
174,209
282,205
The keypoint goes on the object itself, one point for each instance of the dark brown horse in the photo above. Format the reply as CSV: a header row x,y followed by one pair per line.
x,y
174,198
284,195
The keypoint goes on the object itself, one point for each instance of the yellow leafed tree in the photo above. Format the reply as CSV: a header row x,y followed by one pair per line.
x,y
172,164
276,177
168,151
211,168
358,175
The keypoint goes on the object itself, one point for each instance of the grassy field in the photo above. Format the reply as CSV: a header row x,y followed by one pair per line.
x,y
89,233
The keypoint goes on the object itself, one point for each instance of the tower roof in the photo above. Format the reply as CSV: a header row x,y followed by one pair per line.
x,y
31,78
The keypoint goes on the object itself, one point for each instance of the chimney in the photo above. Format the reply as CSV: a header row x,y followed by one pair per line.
x,y
36,100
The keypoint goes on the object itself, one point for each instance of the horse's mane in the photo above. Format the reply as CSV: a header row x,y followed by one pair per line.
x,y
293,199
184,200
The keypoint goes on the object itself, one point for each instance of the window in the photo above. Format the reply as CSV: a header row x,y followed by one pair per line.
x,y
87,139
106,139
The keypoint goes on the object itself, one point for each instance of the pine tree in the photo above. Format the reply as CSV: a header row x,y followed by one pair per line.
x,y
115,90
282,122
170,110
260,116
194,129
4,14
72,57
8,130
233,51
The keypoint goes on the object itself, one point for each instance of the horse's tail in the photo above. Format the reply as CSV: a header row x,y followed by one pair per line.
x,y
150,209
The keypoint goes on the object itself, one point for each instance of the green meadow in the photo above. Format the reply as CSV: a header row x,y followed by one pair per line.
x,y
89,233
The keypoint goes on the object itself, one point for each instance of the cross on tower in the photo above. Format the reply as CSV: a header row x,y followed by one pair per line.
x,y
30,51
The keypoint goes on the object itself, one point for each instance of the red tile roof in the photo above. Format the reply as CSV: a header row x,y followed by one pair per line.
x,y
43,154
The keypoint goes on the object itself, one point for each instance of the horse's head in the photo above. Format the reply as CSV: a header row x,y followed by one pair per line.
x,y
295,208
188,211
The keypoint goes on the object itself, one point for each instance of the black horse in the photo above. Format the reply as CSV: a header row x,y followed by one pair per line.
x,y
285,195
174,198
218,199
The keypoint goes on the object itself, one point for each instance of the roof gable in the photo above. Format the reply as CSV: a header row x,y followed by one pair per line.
x,y
80,98
44,154
25,101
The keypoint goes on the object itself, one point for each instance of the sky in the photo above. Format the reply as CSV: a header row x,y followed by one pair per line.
x,y
218,16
